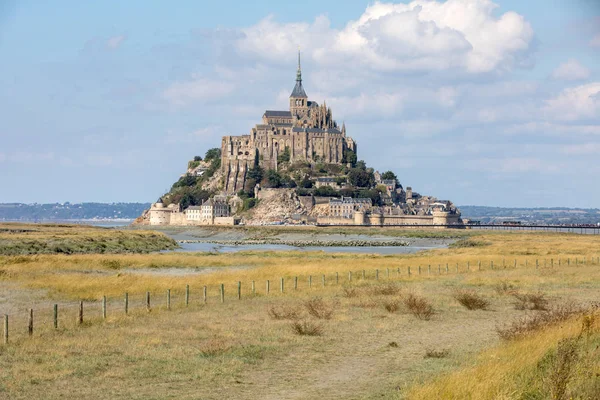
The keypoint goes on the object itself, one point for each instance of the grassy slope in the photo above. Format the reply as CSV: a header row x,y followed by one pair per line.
x,y
236,351
24,239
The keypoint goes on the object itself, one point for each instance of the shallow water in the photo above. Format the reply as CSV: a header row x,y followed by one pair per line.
x,y
213,247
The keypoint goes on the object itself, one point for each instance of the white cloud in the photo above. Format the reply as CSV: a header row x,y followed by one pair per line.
x,y
423,35
576,103
115,41
199,89
582,149
595,42
571,70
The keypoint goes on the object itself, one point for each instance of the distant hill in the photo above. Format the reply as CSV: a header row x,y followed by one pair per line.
x,y
555,215
70,211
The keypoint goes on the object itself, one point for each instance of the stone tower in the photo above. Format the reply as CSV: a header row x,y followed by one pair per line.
x,y
298,98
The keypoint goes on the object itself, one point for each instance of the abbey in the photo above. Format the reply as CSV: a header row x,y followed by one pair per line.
x,y
307,132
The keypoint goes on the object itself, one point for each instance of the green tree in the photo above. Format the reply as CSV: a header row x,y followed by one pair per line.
x,y
349,157
361,165
197,158
212,154
273,179
256,173
361,178
284,156
326,191
389,175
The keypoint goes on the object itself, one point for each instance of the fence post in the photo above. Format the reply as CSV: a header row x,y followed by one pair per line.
x,y
419,270
55,316
457,268
447,270
468,266
515,263
30,325
429,269
537,263
388,273
126,303
479,265
337,278
239,290
376,274
364,275
5,328
80,317
204,294
408,270
187,295
222,293
350,276
323,280
439,269
268,287
282,285
103,307
552,262
253,288
169,299
295,283
309,281
148,301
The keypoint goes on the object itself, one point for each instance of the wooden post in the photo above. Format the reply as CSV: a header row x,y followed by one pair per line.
x,y
429,269
419,270
80,317
126,303
515,263
295,283
439,269
479,265
187,295
239,290
398,271
409,271
204,294
569,261
5,328
364,275
350,276
55,316
537,263
148,301
376,274
457,268
447,270
309,281
468,266
388,273
169,299
253,288
222,293
323,280
30,325
281,284
337,278
268,287
552,262
103,307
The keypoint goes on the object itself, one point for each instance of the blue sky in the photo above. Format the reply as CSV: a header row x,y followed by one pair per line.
x,y
480,102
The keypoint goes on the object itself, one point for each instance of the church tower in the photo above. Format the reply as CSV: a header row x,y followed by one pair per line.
x,y
298,98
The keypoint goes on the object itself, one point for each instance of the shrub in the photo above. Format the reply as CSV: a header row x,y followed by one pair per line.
x,y
535,322
392,305
386,290
284,312
562,368
213,347
418,306
349,292
471,300
306,328
432,353
318,308
504,287
531,301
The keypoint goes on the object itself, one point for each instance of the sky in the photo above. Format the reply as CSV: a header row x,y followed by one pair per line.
x,y
477,101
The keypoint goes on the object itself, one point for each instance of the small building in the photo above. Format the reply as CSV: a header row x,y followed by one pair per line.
x,y
346,206
327,181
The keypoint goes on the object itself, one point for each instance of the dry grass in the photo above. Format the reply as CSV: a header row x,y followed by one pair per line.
x,y
433,353
471,300
418,306
535,322
504,287
392,305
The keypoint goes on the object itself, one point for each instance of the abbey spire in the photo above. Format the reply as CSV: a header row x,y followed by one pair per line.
x,y
298,92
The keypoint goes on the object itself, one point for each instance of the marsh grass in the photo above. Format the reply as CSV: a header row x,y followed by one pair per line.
x,y
284,312
418,306
538,321
531,301
306,328
319,308
433,353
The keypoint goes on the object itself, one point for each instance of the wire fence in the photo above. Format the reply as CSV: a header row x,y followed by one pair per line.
x,y
66,316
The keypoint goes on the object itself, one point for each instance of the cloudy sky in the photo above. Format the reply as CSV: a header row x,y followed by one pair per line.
x,y
478,101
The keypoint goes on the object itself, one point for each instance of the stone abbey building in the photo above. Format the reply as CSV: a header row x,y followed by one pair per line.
x,y
307,130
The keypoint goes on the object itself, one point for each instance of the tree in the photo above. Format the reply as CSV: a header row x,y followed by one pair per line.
x,y
389,175
273,179
306,183
256,173
197,158
326,191
361,165
361,178
212,154
284,156
349,157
